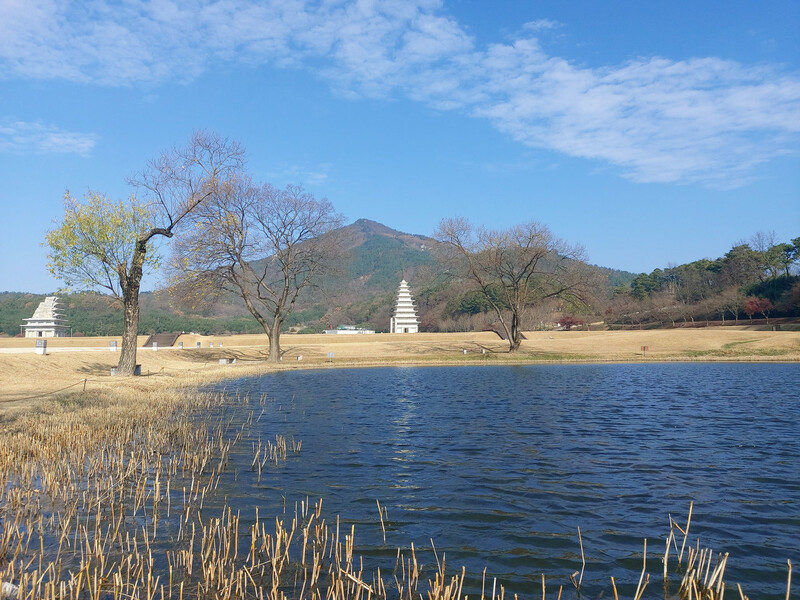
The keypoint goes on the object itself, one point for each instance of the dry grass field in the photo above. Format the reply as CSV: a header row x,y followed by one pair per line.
x,y
26,378
97,474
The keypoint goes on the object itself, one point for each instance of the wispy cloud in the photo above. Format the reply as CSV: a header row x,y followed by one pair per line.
x,y
305,175
20,138
704,120
541,25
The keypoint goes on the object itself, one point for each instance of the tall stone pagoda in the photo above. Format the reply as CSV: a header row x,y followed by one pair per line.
x,y
405,316
46,321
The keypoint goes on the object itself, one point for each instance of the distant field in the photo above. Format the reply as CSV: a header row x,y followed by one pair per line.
x,y
27,378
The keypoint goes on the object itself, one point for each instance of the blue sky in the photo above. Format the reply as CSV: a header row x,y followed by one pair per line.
x,y
652,133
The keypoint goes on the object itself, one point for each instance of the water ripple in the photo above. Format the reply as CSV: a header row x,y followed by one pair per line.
x,y
501,465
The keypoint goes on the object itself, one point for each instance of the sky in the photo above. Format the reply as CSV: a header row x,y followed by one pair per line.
x,y
651,133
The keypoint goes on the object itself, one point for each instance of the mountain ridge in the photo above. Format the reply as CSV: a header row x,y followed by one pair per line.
x,y
376,258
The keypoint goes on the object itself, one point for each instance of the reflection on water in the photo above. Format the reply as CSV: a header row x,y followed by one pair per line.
x,y
500,465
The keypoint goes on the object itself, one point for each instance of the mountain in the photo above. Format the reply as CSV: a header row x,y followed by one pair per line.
x,y
361,291
363,230
378,255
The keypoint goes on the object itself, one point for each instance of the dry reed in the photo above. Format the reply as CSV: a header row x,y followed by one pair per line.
x,y
102,497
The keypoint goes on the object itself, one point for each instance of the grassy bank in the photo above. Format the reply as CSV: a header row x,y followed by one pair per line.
x,y
106,492
28,379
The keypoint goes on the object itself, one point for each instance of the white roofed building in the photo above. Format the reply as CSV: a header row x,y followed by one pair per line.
x,y
348,330
46,321
405,315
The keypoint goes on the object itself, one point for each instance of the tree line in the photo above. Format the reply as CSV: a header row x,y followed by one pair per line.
x,y
268,246
754,278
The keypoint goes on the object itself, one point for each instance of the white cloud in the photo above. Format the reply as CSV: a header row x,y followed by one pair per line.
x,y
703,120
305,175
20,137
541,25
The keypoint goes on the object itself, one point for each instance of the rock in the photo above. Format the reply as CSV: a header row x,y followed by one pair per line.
x,y
8,591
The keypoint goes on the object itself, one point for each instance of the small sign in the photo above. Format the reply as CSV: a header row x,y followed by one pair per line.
x,y
211,344
644,350
155,346
198,344
180,345
41,346
330,356
112,345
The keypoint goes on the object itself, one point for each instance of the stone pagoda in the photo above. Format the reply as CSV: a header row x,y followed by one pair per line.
x,y
46,321
405,316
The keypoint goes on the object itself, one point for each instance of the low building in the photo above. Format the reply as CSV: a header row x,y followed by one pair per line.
x,y
405,315
347,330
46,321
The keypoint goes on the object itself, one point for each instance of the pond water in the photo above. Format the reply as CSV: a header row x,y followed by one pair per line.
x,y
501,465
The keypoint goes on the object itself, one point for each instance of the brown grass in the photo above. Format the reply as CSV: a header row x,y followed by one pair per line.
x,y
26,378
94,485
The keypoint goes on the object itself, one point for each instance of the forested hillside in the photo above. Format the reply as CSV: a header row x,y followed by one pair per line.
x,y
757,278
361,291
99,314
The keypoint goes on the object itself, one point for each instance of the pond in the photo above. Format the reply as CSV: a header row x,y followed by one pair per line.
x,y
499,466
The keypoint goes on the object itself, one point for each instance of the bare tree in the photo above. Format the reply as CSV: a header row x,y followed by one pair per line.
x,y
664,307
731,300
761,241
515,268
103,244
264,244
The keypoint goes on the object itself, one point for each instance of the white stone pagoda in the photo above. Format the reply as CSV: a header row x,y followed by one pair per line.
x,y
405,316
46,321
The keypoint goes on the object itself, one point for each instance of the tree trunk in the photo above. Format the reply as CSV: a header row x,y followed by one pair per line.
x,y
127,357
509,332
130,284
275,342
515,339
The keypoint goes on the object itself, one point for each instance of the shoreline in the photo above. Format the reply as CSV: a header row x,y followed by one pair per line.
x,y
28,379
128,453
147,422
